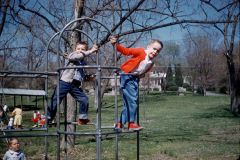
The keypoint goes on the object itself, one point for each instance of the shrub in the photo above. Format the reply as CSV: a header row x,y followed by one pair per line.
x,y
185,85
200,90
189,88
172,88
223,89
210,89
171,83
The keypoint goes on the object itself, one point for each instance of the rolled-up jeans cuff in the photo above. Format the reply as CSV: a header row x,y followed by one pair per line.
x,y
83,116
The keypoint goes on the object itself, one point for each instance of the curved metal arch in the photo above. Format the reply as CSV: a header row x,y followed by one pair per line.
x,y
70,23
47,49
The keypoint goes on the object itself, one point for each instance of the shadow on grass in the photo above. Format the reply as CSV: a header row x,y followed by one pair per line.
x,y
220,111
106,104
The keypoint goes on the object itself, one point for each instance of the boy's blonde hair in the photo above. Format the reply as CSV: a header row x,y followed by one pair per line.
x,y
155,40
81,43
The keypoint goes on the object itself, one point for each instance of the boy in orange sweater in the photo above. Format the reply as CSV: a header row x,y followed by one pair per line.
x,y
140,63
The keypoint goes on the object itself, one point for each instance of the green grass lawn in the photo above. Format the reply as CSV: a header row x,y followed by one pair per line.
x,y
175,127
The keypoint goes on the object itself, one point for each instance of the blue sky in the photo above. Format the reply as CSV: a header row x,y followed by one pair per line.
x,y
173,33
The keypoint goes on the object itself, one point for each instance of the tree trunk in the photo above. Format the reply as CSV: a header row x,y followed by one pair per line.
x,y
235,97
192,88
71,117
234,89
165,86
71,103
234,72
204,91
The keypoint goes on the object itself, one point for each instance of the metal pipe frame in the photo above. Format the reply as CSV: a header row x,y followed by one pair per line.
x,y
45,75
99,132
98,81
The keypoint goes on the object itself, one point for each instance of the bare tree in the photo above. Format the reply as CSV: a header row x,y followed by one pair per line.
x,y
130,21
201,54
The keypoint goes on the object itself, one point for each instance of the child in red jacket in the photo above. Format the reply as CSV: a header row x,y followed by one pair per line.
x,y
140,63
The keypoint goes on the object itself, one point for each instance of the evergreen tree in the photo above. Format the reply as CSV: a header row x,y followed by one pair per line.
x,y
178,75
169,75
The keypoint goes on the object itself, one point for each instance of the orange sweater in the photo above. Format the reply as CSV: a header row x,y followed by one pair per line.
x,y
138,54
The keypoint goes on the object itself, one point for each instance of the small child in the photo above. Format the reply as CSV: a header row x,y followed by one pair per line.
x,y
5,111
10,124
38,115
18,117
41,120
34,119
140,63
14,152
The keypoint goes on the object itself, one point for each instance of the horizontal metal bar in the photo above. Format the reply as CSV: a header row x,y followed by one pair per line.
x,y
76,123
89,133
107,127
28,135
130,74
89,67
24,76
28,72
109,77
24,130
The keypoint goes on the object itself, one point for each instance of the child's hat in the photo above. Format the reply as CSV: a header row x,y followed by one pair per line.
x,y
38,112
11,119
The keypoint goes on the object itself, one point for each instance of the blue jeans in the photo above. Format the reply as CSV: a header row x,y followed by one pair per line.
x,y
76,92
129,85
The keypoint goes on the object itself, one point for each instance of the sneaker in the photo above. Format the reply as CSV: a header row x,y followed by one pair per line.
x,y
35,125
133,126
84,121
119,125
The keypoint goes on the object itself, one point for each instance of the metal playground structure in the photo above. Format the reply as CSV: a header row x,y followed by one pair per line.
x,y
58,39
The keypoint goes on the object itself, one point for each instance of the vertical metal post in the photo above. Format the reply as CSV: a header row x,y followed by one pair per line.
x,y
65,128
116,105
43,102
116,115
36,101
45,112
58,122
99,114
138,124
45,105
21,101
14,100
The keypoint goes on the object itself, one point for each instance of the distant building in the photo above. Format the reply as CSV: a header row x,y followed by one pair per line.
x,y
155,80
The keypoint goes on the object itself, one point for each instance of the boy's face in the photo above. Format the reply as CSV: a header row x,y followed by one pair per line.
x,y
81,48
15,145
153,50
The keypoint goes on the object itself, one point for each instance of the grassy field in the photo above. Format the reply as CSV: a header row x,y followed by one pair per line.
x,y
175,128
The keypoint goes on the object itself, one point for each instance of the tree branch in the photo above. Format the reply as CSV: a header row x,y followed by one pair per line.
x,y
40,15
218,10
171,24
4,16
122,20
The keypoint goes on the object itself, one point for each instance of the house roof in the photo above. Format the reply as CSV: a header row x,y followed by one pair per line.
x,y
23,92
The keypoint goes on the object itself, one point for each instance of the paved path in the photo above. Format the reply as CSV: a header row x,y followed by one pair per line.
x,y
213,94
